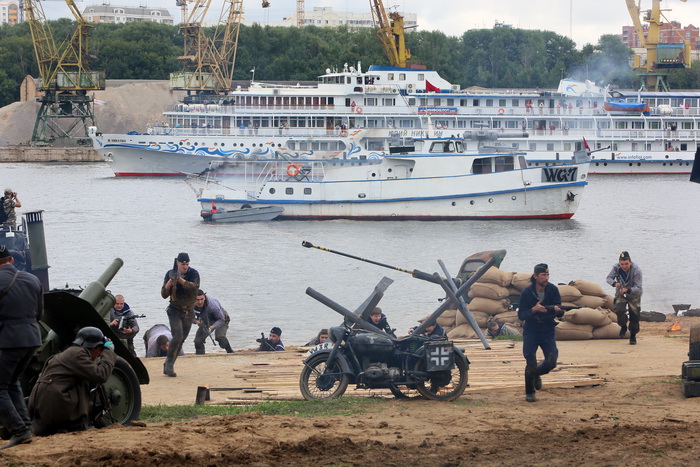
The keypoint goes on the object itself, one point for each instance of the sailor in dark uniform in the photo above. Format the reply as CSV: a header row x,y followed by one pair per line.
x,y
21,308
539,305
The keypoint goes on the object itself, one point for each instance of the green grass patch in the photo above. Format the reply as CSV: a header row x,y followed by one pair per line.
x,y
509,338
317,408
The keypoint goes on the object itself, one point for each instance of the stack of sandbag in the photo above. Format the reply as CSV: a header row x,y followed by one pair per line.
x,y
488,299
597,310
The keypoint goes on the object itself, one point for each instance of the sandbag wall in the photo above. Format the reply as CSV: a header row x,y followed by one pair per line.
x,y
491,297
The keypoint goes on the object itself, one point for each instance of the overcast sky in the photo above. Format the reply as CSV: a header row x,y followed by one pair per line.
x,y
582,20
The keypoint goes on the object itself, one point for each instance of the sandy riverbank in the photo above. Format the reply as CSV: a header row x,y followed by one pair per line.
x,y
638,416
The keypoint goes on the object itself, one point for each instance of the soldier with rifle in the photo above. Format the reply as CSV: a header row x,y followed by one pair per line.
x,y
210,317
540,304
180,285
123,322
273,343
627,280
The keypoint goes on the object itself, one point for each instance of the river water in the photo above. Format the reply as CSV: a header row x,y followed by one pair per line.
x,y
259,271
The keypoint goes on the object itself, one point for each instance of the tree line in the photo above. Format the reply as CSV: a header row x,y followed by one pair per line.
x,y
506,58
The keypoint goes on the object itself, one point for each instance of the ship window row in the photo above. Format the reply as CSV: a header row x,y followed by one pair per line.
x,y
285,101
316,145
485,165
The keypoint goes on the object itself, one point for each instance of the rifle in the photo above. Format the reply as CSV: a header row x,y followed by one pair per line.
x,y
264,342
120,326
203,325
618,279
564,308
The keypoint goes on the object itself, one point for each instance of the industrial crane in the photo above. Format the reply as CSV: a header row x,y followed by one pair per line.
x,y
390,31
208,63
66,108
660,57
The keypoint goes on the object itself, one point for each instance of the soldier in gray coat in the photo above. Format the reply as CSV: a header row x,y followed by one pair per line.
x,y
21,308
60,399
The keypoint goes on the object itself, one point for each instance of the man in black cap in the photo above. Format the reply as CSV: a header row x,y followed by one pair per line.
x,y
21,308
539,305
627,280
273,343
180,285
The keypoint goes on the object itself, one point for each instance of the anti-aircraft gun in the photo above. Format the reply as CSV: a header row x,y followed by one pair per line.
x,y
66,311
487,139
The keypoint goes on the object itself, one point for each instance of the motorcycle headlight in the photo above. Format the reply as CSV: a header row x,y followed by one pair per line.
x,y
337,333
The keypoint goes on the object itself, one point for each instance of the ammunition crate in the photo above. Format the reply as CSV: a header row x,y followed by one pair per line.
x,y
691,388
691,370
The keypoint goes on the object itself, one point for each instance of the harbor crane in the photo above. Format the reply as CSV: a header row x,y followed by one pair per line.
x,y
390,31
208,62
66,109
660,57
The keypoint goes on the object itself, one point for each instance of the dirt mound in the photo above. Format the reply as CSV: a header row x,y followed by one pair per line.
x,y
128,107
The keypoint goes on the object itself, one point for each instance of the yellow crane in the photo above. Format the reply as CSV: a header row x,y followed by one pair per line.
x,y
390,31
208,63
66,109
660,57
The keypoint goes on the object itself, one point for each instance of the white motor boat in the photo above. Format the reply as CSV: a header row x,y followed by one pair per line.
x,y
434,180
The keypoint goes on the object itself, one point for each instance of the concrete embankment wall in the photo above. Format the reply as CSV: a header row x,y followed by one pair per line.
x,y
31,154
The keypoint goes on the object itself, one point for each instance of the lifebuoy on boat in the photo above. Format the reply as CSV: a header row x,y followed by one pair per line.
x,y
343,132
501,111
358,109
293,170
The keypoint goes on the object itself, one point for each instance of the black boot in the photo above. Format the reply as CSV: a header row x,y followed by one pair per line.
x,y
25,437
530,387
623,330
168,368
633,338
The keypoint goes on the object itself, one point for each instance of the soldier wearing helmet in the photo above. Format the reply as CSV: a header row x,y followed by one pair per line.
x,y
60,399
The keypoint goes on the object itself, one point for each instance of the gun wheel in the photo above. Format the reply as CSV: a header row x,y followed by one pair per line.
x,y
445,385
123,393
319,381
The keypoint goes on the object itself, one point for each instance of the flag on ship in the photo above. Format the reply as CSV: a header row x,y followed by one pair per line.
x,y
431,88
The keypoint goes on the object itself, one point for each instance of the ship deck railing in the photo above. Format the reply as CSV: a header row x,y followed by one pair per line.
x,y
250,176
373,111
319,134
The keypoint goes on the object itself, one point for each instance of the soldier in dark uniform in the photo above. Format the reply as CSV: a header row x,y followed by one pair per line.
x,y
123,322
180,285
21,308
378,319
60,399
539,305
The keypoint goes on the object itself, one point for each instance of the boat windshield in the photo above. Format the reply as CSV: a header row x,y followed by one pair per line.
x,y
446,146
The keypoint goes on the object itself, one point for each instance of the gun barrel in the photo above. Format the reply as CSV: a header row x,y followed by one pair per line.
x,y
96,293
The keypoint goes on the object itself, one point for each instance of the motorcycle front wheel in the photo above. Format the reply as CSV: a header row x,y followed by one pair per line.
x,y
445,385
321,381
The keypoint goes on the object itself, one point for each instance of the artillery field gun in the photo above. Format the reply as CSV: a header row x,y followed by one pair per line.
x,y
66,311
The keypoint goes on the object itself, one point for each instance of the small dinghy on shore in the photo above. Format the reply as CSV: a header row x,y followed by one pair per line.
x,y
245,214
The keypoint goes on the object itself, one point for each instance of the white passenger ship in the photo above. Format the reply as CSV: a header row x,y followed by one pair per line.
x,y
354,114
